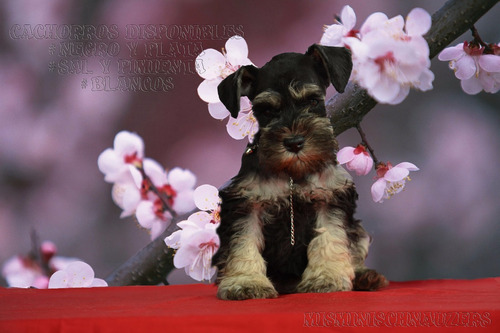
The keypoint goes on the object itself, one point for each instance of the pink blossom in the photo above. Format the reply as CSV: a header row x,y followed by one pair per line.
x,y
214,66
176,187
126,196
476,70
24,271
197,241
78,274
356,159
391,180
128,150
389,55
245,125
338,33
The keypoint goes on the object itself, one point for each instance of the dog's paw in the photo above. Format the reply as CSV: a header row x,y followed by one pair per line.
x,y
246,287
369,280
322,284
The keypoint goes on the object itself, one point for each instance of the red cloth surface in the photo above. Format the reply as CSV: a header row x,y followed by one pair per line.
x,y
415,306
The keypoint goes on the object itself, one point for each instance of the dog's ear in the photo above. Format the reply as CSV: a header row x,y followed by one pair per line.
x,y
236,85
336,61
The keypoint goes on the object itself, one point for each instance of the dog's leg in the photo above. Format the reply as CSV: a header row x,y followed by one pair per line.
x,y
365,279
244,275
330,263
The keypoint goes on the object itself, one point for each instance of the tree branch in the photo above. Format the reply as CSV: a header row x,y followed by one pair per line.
x,y
151,265
347,110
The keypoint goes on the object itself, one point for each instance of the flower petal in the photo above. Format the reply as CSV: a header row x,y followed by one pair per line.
x,y
490,62
98,283
218,110
465,68
181,179
403,93
206,197
207,90
145,214
418,22
373,22
452,53
243,126
113,167
80,274
348,17
407,165
210,63
201,219
158,228
184,202
237,51
386,90
345,155
127,197
155,172
378,190
333,35
127,143
59,280
361,164
173,241
471,86
396,174
425,80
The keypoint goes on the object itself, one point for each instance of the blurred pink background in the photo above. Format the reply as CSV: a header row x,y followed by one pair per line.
x,y
444,225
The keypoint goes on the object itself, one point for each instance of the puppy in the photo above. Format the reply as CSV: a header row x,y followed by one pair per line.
x,y
287,221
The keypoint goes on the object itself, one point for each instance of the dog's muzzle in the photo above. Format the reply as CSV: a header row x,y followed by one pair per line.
x,y
294,144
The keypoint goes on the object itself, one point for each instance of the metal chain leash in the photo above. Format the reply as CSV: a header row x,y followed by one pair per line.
x,y
292,226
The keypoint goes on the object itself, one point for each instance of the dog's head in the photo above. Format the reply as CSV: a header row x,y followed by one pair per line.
x,y
288,100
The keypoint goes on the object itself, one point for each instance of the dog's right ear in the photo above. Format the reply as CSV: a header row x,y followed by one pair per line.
x,y
238,84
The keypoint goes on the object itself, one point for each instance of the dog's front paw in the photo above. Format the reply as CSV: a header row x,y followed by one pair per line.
x,y
246,287
324,284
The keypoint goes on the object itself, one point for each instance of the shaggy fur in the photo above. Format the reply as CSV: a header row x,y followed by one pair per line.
x,y
256,258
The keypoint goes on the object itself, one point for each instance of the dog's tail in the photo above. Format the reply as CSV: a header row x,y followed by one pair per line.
x,y
369,280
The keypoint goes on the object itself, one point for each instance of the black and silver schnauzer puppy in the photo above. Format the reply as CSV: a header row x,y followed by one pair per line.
x,y
287,221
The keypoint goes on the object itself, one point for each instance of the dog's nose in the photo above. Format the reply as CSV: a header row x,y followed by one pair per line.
x,y
295,143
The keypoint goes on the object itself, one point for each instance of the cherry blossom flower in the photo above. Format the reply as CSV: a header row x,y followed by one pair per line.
x,y
24,271
214,66
245,125
389,56
127,151
195,245
197,241
77,274
337,34
127,196
356,159
475,69
176,188
391,180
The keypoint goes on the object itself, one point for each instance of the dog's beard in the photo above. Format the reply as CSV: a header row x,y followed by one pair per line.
x,y
318,150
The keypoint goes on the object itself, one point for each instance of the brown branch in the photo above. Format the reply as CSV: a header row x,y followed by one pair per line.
x,y
448,23
152,263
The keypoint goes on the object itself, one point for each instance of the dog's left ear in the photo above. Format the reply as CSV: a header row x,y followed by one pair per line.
x,y
336,62
236,85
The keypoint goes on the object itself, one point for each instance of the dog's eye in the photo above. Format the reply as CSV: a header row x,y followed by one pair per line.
x,y
313,102
269,112
265,110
